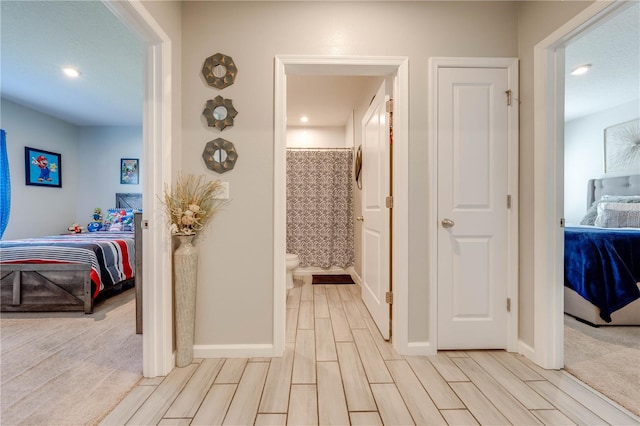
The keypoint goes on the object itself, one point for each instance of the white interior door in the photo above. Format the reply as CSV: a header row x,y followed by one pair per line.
x,y
376,223
472,144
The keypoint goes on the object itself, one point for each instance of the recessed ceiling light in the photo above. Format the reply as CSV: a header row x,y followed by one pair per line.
x,y
581,69
71,72
304,119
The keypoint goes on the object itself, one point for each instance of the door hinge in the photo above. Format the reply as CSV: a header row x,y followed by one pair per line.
x,y
508,92
389,202
389,297
562,222
508,201
508,304
390,105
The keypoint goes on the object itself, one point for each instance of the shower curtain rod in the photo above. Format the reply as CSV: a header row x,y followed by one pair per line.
x,y
320,149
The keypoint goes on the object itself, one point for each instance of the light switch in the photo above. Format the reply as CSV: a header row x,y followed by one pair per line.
x,y
223,192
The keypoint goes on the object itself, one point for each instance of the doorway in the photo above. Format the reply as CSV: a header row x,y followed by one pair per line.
x,y
549,74
157,310
395,68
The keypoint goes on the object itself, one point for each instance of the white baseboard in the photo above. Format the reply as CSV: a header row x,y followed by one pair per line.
x,y
420,348
233,351
526,350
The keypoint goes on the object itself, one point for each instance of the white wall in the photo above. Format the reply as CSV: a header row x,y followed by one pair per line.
x,y
99,154
35,210
584,154
316,137
90,170
235,289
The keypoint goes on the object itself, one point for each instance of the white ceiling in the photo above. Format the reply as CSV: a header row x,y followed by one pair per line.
x,y
326,100
38,38
613,50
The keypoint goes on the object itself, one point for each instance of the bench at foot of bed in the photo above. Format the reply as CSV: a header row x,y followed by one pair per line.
x,y
45,287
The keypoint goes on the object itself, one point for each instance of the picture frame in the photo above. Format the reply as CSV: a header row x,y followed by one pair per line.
x,y
129,171
42,168
622,148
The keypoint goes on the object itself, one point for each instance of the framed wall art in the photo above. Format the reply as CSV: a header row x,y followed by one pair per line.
x,y
129,168
42,168
622,147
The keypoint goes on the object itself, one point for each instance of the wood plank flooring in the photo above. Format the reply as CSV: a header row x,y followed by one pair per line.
x,y
337,370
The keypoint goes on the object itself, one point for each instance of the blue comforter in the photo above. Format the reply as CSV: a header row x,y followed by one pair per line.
x,y
603,266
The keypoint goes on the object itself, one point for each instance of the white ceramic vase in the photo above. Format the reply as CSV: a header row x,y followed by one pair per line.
x,y
185,259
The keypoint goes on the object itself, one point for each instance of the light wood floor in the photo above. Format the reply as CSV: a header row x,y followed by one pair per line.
x,y
337,370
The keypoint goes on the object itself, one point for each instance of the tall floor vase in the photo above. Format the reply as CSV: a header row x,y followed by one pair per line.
x,y
185,260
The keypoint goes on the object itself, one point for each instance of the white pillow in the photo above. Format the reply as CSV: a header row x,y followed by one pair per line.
x,y
618,215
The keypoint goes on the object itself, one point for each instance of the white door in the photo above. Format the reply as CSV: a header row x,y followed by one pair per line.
x,y
472,144
376,280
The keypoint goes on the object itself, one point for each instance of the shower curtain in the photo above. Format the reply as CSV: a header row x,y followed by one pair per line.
x,y
320,207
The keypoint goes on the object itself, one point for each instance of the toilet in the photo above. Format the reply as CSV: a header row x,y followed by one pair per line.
x,y
292,263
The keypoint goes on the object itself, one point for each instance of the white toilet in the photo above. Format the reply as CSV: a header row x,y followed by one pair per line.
x,y
292,263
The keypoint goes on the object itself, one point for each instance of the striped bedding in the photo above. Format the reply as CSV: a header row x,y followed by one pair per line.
x,y
110,254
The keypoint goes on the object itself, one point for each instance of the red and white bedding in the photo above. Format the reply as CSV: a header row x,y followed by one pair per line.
x,y
110,254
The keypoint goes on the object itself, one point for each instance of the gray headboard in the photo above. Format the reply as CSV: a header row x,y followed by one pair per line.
x,y
126,200
619,185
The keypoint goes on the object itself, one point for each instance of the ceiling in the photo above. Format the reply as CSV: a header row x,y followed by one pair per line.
x,y
613,50
38,38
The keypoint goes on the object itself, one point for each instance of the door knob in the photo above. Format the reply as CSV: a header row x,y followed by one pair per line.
x,y
360,218
447,223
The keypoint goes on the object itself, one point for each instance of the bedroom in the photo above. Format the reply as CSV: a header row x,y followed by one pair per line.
x,y
598,103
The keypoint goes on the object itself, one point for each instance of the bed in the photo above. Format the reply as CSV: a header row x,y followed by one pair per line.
x,y
602,263
68,272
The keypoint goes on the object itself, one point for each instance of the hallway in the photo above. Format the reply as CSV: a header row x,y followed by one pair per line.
x,y
337,370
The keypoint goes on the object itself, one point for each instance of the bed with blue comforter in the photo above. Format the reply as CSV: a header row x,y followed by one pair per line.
x,y
603,266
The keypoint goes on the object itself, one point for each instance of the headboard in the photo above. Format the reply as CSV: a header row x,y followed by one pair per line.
x,y
126,200
619,185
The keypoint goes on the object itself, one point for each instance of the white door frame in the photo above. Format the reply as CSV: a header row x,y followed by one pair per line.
x,y
511,65
158,358
345,65
548,351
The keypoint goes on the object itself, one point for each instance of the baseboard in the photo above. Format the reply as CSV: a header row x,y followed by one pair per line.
x,y
233,351
420,348
526,350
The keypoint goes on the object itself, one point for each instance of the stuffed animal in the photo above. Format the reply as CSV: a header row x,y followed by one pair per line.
x,y
96,224
75,228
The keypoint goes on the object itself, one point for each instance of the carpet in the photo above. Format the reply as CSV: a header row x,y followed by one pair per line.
x,y
332,279
606,358
68,368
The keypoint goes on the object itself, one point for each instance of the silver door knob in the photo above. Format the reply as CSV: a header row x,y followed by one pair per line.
x,y
447,223
360,218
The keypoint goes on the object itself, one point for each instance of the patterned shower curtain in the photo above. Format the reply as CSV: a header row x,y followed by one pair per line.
x,y
320,207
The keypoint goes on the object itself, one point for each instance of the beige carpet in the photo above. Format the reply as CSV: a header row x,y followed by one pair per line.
x,y
68,368
606,358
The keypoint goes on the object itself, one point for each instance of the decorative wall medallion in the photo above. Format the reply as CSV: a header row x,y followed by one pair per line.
x,y
219,112
220,155
219,70
622,147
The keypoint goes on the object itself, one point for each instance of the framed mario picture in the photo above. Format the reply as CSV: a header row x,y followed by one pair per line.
x,y
42,168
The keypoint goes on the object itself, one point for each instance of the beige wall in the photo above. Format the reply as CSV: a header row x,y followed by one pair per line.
x,y
235,293
536,20
235,296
